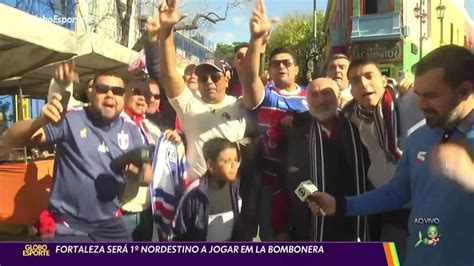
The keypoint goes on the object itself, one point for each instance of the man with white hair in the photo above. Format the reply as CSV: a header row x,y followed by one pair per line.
x,y
331,155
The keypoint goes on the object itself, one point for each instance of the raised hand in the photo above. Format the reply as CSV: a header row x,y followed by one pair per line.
x,y
153,26
65,72
51,112
404,85
169,16
260,26
172,135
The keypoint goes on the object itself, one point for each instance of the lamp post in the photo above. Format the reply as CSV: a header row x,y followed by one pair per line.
x,y
421,15
314,53
440,14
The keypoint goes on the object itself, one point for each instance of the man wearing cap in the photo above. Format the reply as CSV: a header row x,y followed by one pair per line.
x,y
213,114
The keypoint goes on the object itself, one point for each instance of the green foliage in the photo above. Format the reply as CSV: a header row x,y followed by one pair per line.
x,y
296,33
225,51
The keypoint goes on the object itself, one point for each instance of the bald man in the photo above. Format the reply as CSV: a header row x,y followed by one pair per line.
x,y
330,155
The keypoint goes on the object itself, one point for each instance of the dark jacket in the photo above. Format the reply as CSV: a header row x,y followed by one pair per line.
x,y
152,52
340,174
192,214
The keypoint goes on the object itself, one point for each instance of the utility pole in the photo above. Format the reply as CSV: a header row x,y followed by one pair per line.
x,y
314,46
421,15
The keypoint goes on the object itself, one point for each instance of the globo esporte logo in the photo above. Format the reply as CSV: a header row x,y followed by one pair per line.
x,y
301,192
36,250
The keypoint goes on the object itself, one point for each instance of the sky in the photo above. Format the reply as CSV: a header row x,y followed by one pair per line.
x,y
469,5
236,27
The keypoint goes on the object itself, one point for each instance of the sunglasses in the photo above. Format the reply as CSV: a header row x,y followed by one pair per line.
x,y
215,77
102,88
138,92
149,95
276,63
155,96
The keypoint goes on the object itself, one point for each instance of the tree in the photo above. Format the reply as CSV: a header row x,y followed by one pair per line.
x,y
124,12
225,51
296,32
205,16
202,19
120,11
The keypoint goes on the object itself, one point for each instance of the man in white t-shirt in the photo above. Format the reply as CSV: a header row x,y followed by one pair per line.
x,y
213,114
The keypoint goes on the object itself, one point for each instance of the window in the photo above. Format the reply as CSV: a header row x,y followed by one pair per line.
x,y
376,6
452,34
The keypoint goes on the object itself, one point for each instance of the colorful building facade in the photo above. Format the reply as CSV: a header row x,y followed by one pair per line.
x,y
388,32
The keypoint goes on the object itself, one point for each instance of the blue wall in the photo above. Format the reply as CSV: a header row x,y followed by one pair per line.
x,y
192,48
7,107
48,9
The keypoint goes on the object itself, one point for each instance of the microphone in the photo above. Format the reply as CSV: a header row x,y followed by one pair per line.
x,y
304,191
137,156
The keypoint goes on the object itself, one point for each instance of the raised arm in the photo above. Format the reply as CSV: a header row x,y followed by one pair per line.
x,y
30,132
249,71
152,47
172,80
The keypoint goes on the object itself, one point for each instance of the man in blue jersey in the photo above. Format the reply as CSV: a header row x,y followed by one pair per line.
x,y
84,200
445,85
275,104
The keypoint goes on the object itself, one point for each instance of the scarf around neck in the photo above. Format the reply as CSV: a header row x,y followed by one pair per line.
x,y
385,117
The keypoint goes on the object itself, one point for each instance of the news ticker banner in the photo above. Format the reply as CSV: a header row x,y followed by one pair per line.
x,y
175,253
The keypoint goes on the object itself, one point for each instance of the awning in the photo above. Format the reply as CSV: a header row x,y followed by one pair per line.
x,y
28,42
95,54
34,65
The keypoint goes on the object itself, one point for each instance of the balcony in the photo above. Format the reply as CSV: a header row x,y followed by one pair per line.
x,y
376,27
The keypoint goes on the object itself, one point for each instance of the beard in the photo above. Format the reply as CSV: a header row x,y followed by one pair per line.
x,y
324,115
434,119
447,120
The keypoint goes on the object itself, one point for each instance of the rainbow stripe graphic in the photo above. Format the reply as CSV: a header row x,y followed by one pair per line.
x,y
391,254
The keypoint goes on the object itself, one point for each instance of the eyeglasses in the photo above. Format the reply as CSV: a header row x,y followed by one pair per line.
x,y
215,77
103,88
286,62
155,96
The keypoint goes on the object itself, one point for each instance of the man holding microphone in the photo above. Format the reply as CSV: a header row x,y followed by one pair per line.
x,y
435,155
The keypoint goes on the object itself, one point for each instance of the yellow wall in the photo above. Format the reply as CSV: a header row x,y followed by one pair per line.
x,y
453,14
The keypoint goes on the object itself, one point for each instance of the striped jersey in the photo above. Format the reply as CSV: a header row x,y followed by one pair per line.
x,y
276,105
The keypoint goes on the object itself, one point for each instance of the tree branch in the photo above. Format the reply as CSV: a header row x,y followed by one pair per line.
x,y
199,17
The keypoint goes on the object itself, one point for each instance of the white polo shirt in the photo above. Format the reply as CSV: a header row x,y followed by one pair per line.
x,y
203,121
